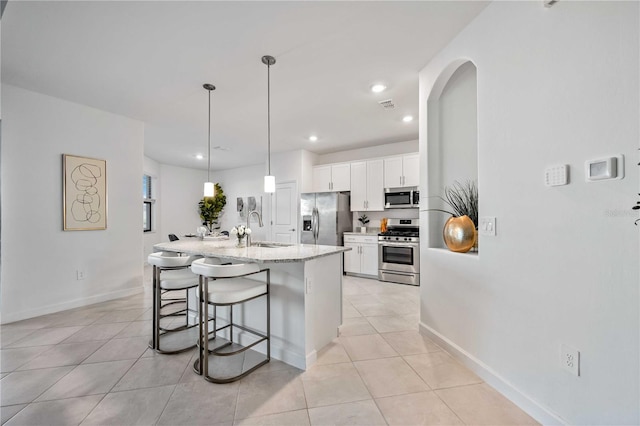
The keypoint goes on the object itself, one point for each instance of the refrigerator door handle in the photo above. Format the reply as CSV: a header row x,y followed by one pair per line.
x,y
315,223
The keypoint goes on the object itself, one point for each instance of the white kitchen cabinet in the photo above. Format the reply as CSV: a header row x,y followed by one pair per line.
x,y
402,170
362,259
332,178
367,185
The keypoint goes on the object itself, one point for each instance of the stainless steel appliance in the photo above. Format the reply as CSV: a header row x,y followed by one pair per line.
x,y
399,252
401,198
325,217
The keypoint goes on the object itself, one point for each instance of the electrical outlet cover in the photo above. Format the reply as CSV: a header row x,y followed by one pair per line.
x,y
570,359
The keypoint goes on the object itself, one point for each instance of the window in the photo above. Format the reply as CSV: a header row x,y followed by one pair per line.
x,y
147,204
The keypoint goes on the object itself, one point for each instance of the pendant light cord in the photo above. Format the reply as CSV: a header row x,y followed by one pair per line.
x,y
209,145
269,117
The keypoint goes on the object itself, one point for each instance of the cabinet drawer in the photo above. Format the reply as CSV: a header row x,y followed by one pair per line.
x,y
361,239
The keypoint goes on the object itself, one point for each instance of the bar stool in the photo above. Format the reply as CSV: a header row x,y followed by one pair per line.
x,y
229,286
171,273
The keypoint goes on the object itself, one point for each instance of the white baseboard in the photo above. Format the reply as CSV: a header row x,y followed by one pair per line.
x,y
509,391
77,303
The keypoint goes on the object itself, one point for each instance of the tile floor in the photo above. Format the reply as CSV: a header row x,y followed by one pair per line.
x,y
92,366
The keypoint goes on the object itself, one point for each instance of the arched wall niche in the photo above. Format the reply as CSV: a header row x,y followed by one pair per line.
x,y
452,138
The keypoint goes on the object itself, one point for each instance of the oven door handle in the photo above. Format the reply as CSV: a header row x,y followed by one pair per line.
x,y
400,244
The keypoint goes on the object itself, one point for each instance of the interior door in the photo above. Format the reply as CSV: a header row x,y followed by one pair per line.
x,y
284,224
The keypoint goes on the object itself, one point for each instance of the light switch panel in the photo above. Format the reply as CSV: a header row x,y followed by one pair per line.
x,y
487,226
556,175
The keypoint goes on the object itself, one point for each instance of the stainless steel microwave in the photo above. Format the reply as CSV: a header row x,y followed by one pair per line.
x,y
401,198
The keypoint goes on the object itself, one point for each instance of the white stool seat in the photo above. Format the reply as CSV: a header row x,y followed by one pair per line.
x,y
170,260
178,279
234,290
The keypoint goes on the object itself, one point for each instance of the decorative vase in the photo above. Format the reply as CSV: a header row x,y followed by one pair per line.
x,y
363,229
459,234
240,242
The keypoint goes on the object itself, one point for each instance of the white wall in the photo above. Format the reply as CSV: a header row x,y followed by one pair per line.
x,y
369,152
180,191
555,86
39,259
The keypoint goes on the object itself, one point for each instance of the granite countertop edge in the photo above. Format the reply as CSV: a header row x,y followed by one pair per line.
x,y
227,250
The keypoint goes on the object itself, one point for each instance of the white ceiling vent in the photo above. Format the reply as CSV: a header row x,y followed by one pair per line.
x,y
387,104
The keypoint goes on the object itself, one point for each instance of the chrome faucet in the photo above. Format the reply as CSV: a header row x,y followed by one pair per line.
x,y
252,212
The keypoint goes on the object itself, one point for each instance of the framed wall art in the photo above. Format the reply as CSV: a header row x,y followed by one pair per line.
x,y
84,188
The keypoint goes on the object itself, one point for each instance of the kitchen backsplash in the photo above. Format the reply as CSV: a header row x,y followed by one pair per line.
x,y
374,217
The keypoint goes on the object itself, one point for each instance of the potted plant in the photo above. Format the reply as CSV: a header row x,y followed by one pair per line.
x,y
363,220
460,231
210,208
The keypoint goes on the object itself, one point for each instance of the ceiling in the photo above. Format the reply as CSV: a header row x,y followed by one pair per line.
x,y
148,60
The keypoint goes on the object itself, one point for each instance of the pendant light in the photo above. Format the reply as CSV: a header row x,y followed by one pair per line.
x,y
269,180
209,188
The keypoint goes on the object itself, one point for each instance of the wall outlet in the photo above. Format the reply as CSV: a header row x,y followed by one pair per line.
x,y
80,274
570,359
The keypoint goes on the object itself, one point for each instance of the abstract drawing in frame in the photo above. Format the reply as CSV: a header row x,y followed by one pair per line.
x,y
84,199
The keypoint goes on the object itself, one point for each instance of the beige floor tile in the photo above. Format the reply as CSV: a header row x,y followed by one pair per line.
x,y
482,405
46,336
376,309
63,354
348,311
76,318
333,353
96,332
356,327
119,349
9,411
201,403
21,387
291,418
394,323
440,370
362,298
333,384
270,393
123,315
87,379
136,329
12,335
410,342
154,371
423,408
61,412
137,407
389,376
367,347
11,359
361,413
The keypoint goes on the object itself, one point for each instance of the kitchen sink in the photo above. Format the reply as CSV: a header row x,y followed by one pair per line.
x,y
267,244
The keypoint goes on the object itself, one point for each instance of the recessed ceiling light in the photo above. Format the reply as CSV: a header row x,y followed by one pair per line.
x,y
407,118
199,156
313,138
377,88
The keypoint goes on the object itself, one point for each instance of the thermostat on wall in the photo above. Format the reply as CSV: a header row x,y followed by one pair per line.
x,y
605,168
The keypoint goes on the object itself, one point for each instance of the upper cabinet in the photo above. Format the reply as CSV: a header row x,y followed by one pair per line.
x,y
367,191
332,177
402,171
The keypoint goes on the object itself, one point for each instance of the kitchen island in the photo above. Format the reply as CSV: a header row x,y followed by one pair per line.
x,y
306,293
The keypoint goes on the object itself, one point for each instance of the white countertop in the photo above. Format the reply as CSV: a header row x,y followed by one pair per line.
x,y
227,250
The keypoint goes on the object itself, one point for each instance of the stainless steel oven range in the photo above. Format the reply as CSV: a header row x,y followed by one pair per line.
x,y
399,252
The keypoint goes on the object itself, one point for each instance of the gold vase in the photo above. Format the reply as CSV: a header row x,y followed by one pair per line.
x,y
459,234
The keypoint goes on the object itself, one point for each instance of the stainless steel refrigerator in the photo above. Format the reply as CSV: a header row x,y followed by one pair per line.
x,y
325,217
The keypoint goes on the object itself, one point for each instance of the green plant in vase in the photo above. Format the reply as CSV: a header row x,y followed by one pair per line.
x,y
363,219
210,208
